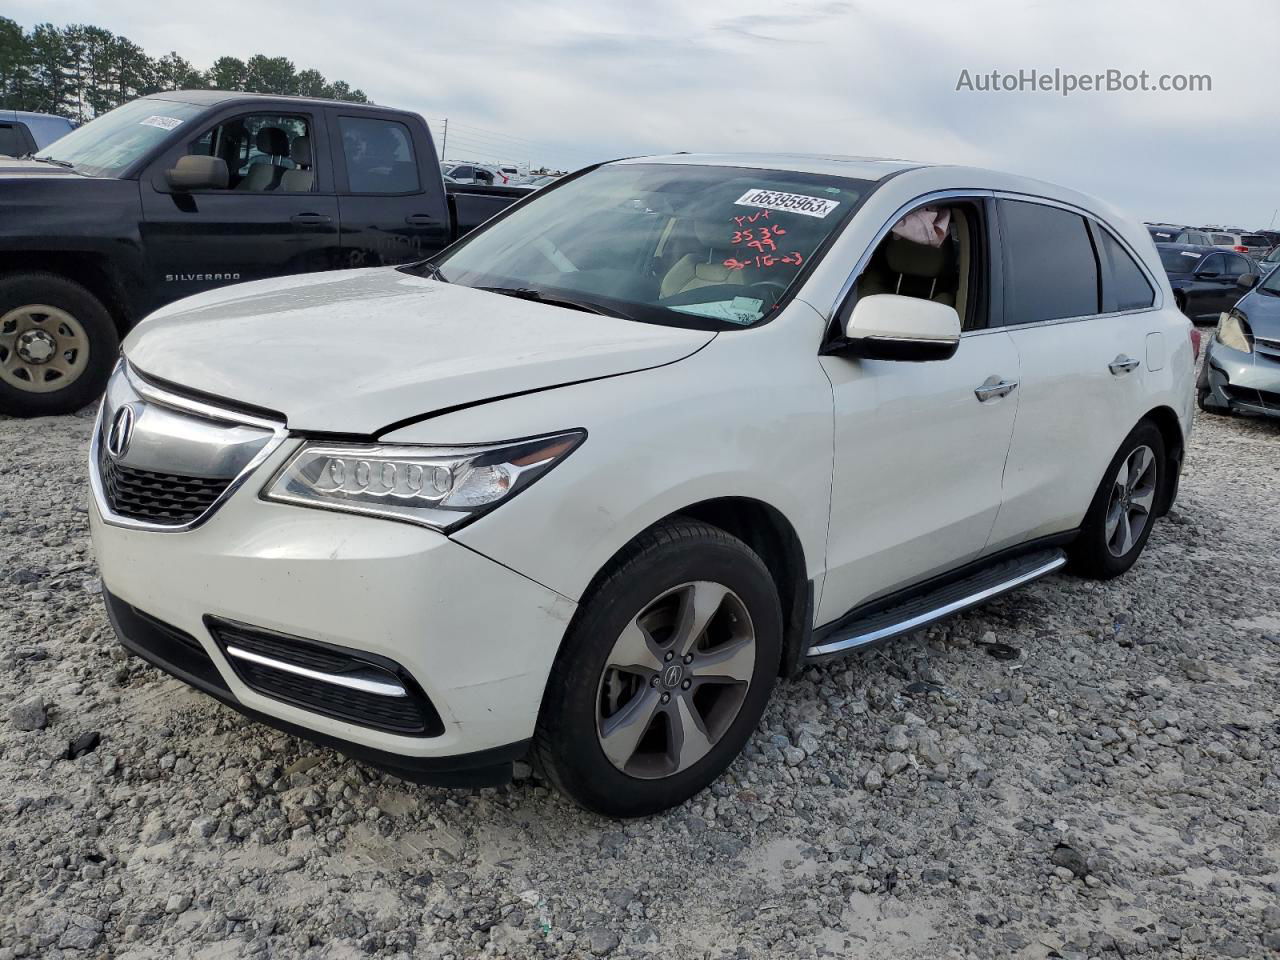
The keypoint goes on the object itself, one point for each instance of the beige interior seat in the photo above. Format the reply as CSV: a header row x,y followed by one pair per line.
x,y
705,268
274,143
299,179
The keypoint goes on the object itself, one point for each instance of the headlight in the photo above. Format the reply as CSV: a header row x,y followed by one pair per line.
x,y
1234,332
437,487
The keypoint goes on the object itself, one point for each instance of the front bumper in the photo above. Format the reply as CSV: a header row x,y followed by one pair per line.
x,y
477,638
1247,382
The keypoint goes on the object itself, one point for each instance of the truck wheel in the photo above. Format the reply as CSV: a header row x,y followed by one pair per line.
x,y
57,345
665,672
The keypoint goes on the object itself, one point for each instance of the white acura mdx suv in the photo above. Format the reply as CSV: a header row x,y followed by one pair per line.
x,y
584,487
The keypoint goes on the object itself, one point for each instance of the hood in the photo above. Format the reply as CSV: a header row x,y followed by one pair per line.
x,y
9,167
1262,310
357,350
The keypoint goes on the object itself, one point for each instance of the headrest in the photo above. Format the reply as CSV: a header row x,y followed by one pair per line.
x,y
914,259
273,141
300,151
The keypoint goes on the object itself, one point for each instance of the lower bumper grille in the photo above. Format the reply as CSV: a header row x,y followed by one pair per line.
x,y
357,687
1257,398
158,497
166,646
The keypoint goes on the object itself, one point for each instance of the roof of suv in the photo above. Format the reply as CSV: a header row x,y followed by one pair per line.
x,y
858,168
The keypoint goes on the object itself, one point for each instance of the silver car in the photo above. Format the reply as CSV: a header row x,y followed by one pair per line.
x,y
1241,369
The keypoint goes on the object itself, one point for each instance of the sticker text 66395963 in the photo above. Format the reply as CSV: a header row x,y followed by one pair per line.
x,y
788,202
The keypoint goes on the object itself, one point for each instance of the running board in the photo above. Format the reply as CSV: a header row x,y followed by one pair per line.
x,y
924,609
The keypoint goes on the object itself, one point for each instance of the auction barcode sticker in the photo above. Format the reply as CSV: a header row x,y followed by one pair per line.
x,y
787,202
164,123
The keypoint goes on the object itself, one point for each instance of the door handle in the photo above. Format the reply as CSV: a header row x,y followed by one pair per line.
x,y
993,388
1122,365
419,219
310,219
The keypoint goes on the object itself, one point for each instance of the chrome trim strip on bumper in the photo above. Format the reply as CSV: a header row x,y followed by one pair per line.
x,y
929,616
364,684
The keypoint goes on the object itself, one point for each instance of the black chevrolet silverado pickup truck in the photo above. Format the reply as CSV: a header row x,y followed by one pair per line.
x,y
181,192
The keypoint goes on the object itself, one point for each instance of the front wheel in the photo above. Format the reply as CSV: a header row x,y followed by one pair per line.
x,y
57,345
664,674
1119,520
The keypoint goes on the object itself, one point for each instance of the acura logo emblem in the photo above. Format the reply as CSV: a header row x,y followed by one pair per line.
x,y
672,675
121,432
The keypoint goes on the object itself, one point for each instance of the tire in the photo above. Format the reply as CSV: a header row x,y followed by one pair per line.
x,y
1202,401
588,740
1111,539
58,345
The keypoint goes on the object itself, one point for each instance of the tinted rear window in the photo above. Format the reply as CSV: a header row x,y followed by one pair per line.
x,y
1178,261
1255,240
1051,268
13,140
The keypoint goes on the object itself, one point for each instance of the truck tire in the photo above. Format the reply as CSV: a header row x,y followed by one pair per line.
x,y
58,345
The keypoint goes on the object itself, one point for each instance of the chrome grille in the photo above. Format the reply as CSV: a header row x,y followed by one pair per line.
x,y
162,461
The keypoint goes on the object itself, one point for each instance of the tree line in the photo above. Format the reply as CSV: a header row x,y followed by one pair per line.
x,y
80,71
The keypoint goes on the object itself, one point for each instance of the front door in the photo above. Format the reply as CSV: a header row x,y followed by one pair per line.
x,y
277,216
920,447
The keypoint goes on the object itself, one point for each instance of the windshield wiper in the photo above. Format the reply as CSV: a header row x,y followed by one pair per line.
x,y
537,296
58,163
429,270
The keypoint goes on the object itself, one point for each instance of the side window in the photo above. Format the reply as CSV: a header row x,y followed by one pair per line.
x,y
1128,288
15,140
1212,266
1237,266
1051,270
379,156
1226,238
264,152
937,252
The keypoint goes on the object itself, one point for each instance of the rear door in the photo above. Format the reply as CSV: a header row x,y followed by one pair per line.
x,y
15,139
272,219
392,211
1079,309
1217,286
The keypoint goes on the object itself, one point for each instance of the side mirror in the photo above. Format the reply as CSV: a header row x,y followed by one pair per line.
x,y
1247,280
885,326
198,173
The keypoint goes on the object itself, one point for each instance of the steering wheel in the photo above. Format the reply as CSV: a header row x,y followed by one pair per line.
x,y
782,287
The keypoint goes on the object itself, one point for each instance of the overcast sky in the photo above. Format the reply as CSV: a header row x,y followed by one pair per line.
x,y
577,80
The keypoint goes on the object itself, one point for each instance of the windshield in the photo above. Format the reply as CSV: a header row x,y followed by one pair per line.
x,y
109,145
1178,261
683,245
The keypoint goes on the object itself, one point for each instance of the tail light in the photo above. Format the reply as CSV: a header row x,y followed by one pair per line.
x,y
1195,344
1239,249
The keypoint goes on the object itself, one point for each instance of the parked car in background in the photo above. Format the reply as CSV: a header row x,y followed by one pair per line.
x,y
584,486
23,133
183,192
1172,233
536,183
1164,232
1273,236
1241,369
1205,280
476,173
1251,243
1268,261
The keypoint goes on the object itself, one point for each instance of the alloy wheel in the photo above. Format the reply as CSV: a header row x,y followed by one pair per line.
x,y
675,680
42,348
1133,495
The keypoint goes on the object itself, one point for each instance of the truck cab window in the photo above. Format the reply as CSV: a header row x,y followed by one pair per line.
x,y
379,155
263,152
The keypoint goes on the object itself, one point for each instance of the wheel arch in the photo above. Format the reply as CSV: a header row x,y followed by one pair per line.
x,y
767,531
1170,427
92,271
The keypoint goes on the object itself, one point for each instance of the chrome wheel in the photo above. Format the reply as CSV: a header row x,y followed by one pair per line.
x,y
42,348
1133,495
675,680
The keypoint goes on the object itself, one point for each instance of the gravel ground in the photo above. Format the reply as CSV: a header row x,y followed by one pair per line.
x,y
1113,791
